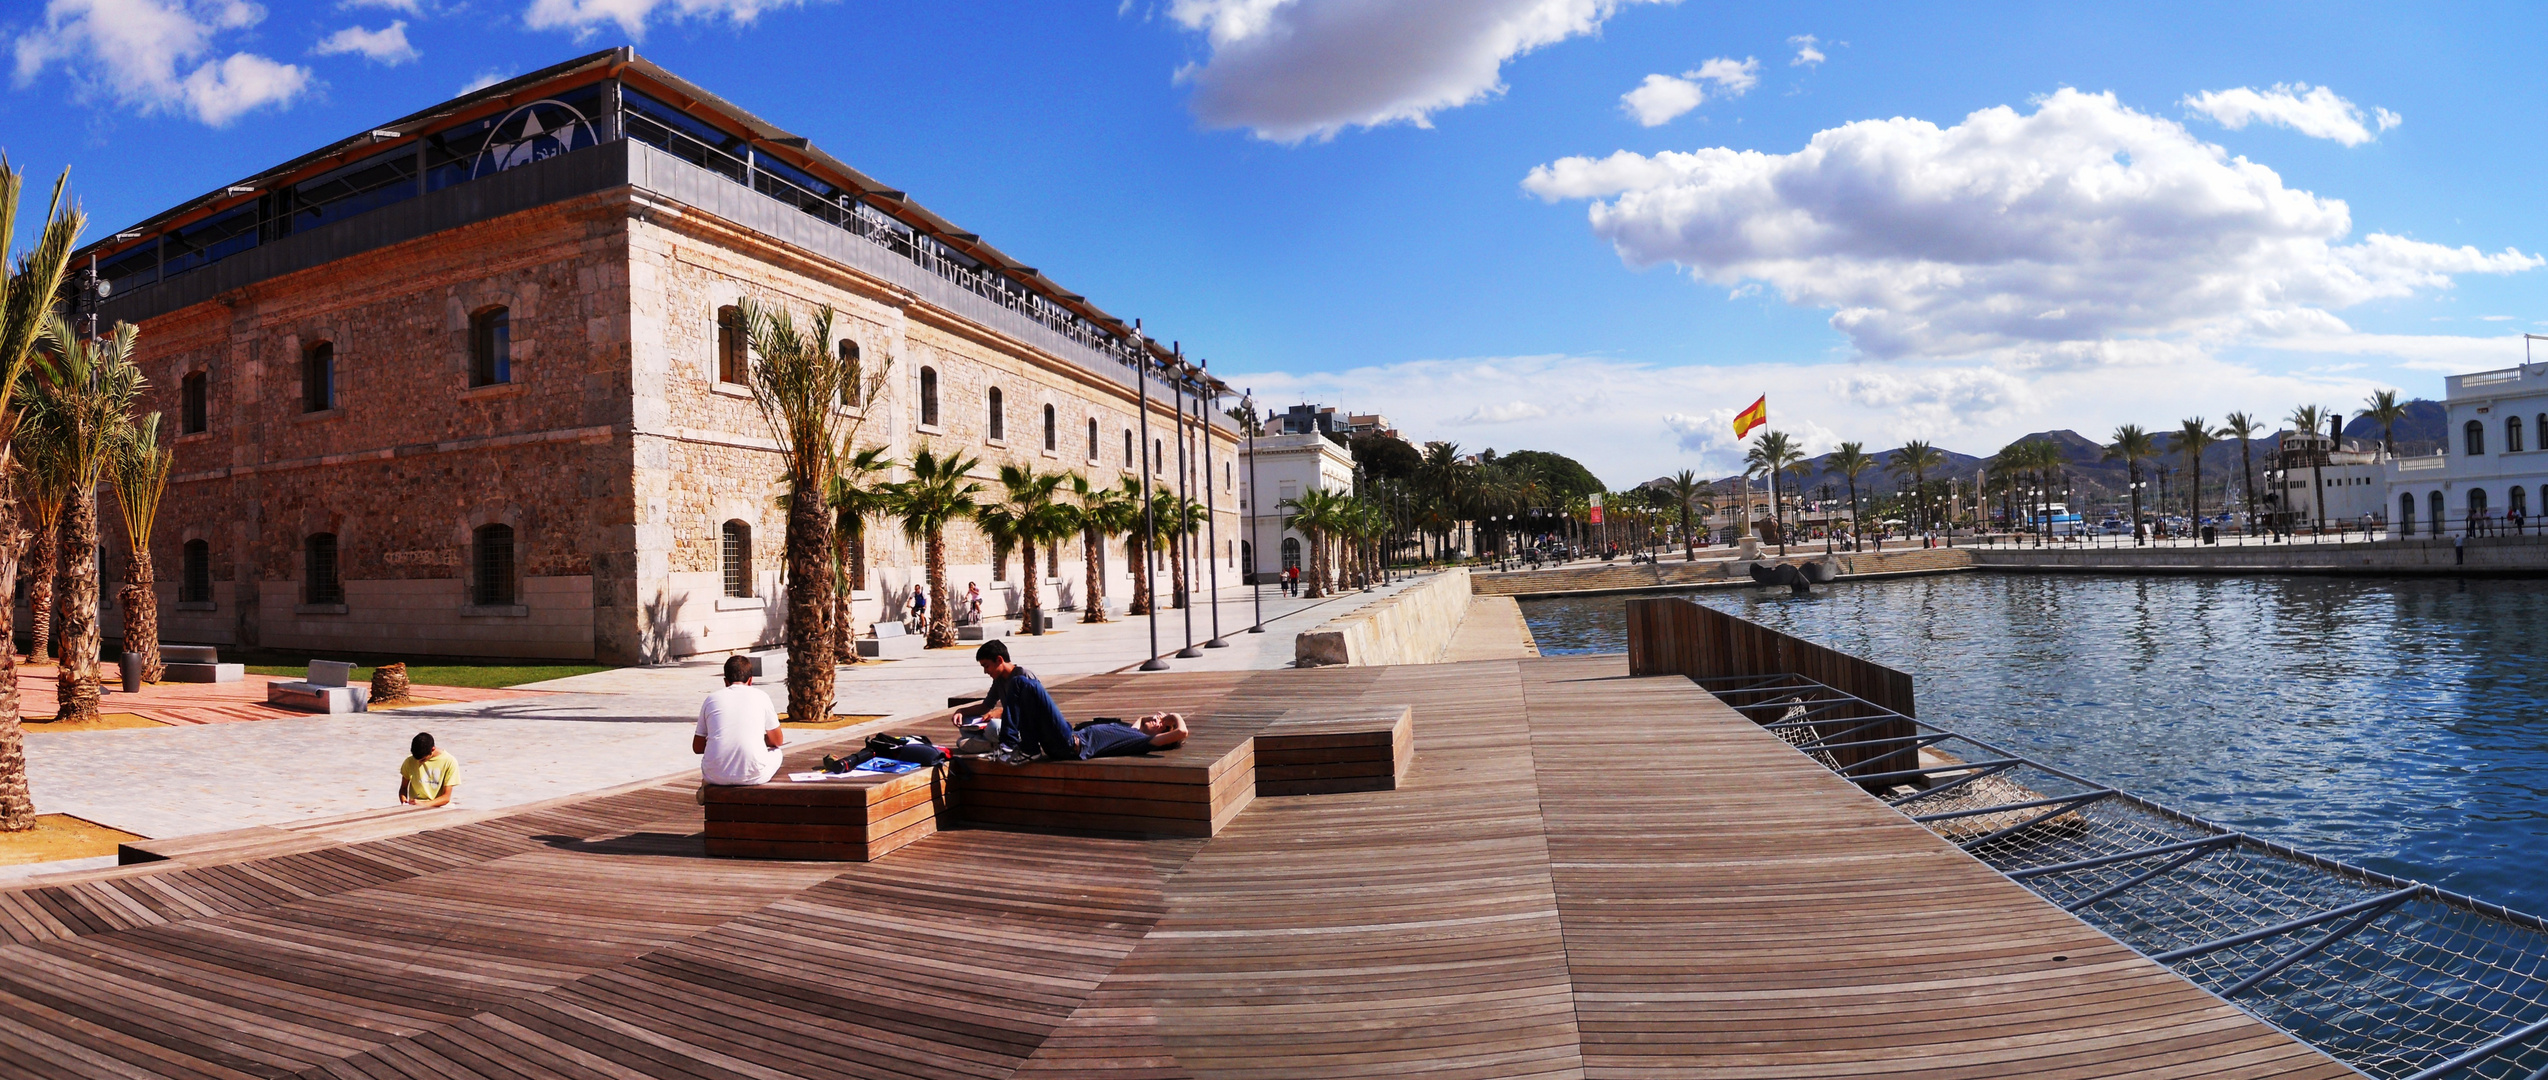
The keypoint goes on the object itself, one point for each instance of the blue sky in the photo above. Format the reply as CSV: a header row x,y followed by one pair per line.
x,y
1590,226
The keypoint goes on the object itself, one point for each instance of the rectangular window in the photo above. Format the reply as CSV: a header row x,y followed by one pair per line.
x,y
194,579
318,378
733,356
320,583
491,347
194,410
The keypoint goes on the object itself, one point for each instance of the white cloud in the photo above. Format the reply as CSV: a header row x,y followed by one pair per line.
x,y
408,7
1658,100
2085,233
1504,413
387,45
158,56
1806,54
2494,318
585,17
1289,70
2314,111
486,77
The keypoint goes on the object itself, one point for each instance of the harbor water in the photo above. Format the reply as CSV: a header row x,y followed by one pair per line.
x,y
2401,725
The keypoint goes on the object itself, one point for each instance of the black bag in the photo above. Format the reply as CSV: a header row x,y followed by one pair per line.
x,y
916,749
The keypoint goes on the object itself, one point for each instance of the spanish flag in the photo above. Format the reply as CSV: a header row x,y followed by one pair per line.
x,y
1752,417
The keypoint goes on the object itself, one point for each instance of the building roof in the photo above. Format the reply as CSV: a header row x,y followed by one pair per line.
x,y
623,63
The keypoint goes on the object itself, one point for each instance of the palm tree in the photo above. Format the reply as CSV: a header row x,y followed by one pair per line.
x,y
142,465
28,284
1771,455
1849,461
1686,491
799,381
2387,410
1917,458
1137,541
1101,512
2309,418
85,398
1019,519
39,479
1314,517
2192,438
858,491
2132,446
2245,429
938,493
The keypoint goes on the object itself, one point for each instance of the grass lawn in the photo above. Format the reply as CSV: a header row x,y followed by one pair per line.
x,y
482,673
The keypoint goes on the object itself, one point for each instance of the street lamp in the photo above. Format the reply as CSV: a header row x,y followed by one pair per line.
x,y
1149,514
1254,505
1205,410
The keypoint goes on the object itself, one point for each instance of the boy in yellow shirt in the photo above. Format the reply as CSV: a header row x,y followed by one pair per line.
x,y
428,775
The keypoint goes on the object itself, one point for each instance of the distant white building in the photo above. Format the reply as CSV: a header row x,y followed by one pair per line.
x,y
1283,467
2315,478
2492,467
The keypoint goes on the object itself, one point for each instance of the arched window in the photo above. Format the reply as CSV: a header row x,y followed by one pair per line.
x,y
2517,503
491,347
1158,455
319,583
1247,555
1052,430
853,370
733,347
1092,440
736,558
491,559
2512,434
928,397
318,379
1229,478
2406,514
1291,552
194,573
2476,438
2476,505
997,428
1128,448
194,403
2441,513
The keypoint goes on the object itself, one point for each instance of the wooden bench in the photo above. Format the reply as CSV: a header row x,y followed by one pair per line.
x,y
858,818
1192,790
1320,751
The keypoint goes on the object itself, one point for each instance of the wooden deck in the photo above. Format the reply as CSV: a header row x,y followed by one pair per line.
x,y
1583,874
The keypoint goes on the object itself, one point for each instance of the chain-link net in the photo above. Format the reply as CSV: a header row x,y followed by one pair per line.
x,y
2393,977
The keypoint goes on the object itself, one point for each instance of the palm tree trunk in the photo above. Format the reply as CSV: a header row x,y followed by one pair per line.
x,y
140,599
1317,546
1034,578
942,613
17,805
1137,560
811,654
44,550
1093,609
77,690
2247,476
1176,572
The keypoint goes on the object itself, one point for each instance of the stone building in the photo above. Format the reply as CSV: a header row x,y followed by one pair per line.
x,y
471,384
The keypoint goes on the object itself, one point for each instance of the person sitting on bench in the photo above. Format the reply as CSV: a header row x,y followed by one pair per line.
x,y
426,777
738,737
1030,723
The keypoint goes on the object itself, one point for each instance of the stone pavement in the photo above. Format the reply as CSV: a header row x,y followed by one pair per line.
x,y
581,734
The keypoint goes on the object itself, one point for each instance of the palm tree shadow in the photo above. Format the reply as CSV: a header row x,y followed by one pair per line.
x,y
654,844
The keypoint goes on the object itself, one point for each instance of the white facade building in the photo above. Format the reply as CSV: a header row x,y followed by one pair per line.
x,y
1285,466
2321,480
2491,472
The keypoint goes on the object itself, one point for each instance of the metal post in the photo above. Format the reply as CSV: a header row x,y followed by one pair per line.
x,y
1149,519
1254,505
1185,498
1211,522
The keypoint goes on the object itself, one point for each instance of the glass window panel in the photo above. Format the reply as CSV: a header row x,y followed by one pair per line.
x,y
134,268
368,184
214,238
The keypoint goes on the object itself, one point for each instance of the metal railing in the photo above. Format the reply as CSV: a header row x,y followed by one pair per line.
x,y
2399,979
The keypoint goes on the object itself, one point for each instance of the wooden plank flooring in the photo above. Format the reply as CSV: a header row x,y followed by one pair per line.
x,y
1581,874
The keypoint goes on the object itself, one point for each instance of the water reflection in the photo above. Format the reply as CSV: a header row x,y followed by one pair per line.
x,y
2395,724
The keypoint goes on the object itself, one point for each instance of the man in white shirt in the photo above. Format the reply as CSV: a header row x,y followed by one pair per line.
x,y
738,738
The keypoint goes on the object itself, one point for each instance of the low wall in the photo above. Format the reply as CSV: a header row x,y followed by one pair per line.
x,y
2507,555
1672,573
1413,627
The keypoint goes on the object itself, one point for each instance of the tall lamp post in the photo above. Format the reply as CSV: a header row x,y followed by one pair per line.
x,y
1205,409
1149,513
1185,498
1254,504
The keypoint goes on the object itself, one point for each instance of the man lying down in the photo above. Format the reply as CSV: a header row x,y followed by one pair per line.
x,y
1030,724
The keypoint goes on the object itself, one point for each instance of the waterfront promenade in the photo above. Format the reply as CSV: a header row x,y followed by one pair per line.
x,y
586,733
1582,873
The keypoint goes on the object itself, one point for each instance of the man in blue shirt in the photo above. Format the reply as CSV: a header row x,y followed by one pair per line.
x,y
1030,722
